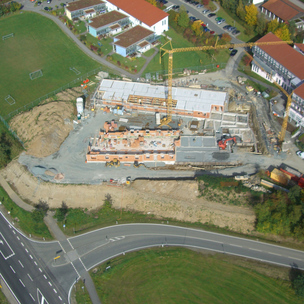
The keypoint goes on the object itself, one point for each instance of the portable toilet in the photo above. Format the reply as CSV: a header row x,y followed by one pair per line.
x,y
79,105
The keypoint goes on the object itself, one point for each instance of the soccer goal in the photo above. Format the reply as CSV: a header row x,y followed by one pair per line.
x,y
11,35
36,74
10,100
75,71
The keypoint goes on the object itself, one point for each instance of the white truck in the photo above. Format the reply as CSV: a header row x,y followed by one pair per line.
x,y
300,154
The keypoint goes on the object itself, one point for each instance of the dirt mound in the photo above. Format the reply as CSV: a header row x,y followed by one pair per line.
x,y
173,199
44,128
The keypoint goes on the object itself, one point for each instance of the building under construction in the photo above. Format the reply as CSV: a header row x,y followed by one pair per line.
x,y
200,123
195,103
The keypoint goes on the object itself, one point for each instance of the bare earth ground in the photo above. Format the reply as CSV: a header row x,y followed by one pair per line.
x,y
44,128
174,199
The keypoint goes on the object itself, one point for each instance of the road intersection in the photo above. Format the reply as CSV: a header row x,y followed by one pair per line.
x,y
45,272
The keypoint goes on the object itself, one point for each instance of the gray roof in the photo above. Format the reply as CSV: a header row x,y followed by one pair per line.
x,y
187,99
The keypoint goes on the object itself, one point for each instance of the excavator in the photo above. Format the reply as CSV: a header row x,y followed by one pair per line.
x,y
223,143
113,163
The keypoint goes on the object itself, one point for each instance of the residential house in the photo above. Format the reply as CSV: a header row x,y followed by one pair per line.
x,y
85,8
284,65
136,39
108,24
284,11
142,13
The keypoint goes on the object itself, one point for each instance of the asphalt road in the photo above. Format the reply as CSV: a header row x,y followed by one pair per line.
x,y
35,276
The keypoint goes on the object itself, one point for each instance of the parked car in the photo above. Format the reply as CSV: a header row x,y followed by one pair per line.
x,y
175,7
206,11
200,5
218,18
192,18
206,29
39,3
212,32
49,1
226,27
232,28
300,154
233,52
221,21
211,15
230,49
235,32
46,8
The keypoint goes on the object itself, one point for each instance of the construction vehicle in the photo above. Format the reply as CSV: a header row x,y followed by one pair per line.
x,y
167,119
223,143
137,164
113,163
288,104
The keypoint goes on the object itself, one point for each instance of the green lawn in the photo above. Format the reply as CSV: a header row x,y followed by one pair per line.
x,y
24,221
38,43
3,299
186,59
175,275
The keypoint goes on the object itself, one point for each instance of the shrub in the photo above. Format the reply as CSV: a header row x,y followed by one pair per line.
x,y
118,63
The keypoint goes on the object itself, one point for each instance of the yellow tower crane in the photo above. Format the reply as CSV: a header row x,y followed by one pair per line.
x,y
288,104
166,120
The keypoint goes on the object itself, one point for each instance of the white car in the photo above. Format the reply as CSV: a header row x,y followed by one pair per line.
x,y
300,154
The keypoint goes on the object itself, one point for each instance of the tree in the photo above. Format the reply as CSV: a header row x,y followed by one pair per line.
x,y
226,38
153,2
205,2
5,149
292,28
261,25
298,285
183,19
196,27
240,11
61,212
282,32
251,14
272,26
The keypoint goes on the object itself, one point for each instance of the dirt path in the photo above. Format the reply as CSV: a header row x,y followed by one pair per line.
x,y
174,199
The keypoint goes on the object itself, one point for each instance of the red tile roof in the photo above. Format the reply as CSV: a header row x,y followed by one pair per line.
x,y
283,9
141,10
132,36
300,91
286,55
81,4
107,18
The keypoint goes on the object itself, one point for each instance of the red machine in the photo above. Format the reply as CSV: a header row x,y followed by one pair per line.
x,y
223,144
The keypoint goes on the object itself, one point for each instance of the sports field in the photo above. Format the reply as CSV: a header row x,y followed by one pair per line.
x,y
38,43
175,275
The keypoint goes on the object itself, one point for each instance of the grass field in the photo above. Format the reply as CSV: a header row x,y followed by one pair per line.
x,y
3,299
25,222
38,43
175,275
187,59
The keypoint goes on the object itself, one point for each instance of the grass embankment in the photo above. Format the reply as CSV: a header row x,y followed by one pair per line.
x,y
174,275
38,43
185,59
3,299
24,218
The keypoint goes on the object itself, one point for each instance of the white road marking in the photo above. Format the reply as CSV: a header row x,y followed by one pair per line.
x,y
10,226
5,247
22,244
12,269
20,264
26,250
31,257
275,253
35,263
30,277
32,298
18,238
296,259
55,290
21,283
60,298
50,283
9,289
255,249
14,231
236,245
45,276
40,270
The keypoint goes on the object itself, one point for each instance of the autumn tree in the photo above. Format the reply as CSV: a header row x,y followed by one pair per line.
x,y
240,11
183,19
205,2
272,26
153,2
251,16
196,27
226,38
282,32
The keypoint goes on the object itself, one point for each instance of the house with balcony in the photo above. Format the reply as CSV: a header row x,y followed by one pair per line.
x,y
284,11
111,23
85,8
284,65
141,13
136,39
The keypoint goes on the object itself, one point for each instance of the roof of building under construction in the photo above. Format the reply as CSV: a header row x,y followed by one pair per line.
x,y
187,98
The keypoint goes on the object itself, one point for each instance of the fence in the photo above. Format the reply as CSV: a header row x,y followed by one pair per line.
x,y
12,132
53,93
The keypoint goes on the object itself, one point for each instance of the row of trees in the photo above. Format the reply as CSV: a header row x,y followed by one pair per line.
x,y
10,7
248,15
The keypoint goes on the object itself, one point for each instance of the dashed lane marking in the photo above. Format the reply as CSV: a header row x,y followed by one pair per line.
x,y
45,276
18,238
31,257
21,283
30,277
35,263
21,264
50,283
13,270
55,290
26,250
40,270
32,297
